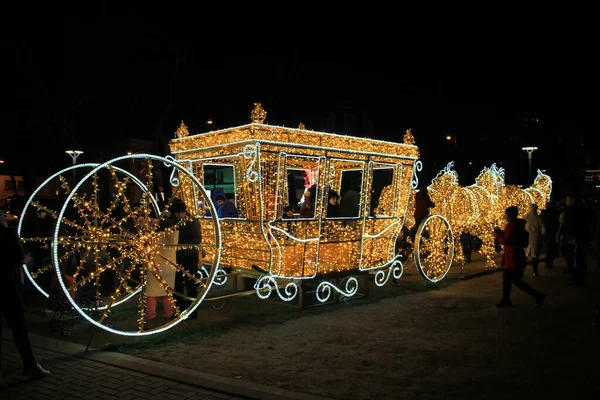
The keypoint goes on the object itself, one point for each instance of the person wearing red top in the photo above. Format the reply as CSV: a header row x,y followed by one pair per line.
x,y
514,238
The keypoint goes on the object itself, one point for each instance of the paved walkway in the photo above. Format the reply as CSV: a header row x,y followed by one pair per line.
x,y
95,374
77,374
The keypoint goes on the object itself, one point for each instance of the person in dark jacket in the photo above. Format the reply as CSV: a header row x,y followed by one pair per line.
x,y
187,256
423,204
550,217
514,238
575,234
467,241
333,208
11,300
225,209
350,201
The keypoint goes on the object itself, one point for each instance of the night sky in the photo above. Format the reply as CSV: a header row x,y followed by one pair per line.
x,y
89,81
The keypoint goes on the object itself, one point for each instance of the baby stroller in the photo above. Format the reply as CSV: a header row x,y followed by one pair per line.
x,y
61,311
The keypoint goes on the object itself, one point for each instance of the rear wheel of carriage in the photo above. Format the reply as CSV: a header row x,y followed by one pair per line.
x,y
434,248
37,234
125,242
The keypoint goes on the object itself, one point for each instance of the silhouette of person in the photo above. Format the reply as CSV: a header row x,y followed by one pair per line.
x,y
514,237
11,300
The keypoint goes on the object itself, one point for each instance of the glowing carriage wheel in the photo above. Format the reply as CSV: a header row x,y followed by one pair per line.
x,y
115,247
40,274
434,248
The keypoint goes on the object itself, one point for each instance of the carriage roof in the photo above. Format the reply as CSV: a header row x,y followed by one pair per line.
x,y
294,138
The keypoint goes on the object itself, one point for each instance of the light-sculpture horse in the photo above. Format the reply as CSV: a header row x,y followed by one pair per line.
x,y
477,207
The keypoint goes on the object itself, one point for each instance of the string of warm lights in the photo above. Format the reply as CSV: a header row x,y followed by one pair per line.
x,y
109,238
303,248
477,207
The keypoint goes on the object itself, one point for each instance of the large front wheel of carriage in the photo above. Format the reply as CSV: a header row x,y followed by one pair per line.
x,y
125,247
434,248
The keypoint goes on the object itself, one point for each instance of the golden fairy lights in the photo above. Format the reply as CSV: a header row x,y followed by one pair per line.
x,y
477,206
99,233
263,155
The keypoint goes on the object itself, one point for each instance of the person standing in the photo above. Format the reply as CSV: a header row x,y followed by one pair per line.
x,y
467,241
574,234
188,255
514,239
550,219
11,300
423,205
166,271
535,228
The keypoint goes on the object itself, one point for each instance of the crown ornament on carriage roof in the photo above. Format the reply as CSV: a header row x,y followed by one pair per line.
x,y
258,115
408,137
182,131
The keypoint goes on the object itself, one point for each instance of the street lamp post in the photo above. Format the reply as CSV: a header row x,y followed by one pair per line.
x,y
74,154
529,151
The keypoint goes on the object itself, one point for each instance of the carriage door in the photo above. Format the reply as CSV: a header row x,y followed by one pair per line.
x,y
295,238
381,220
342,224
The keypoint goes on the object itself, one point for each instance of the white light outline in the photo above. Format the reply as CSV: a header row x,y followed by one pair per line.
x,y
215,266
202,164
364,163
417,251
416,166
306,146
86,165
201,161
252,126
366,212
325,287
266,281
396,270
321,162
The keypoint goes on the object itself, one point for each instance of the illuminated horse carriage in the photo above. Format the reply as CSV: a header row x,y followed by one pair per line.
x,y
262,169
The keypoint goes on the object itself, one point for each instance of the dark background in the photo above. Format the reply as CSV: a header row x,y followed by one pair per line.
x,y
91,82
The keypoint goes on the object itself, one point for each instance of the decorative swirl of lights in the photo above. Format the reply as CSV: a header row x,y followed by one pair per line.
x,y
173,178
267,283
418,167
251,153
383,276
324,289
220,277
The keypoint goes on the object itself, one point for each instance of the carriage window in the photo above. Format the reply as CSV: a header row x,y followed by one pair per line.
x,y
219,181
302,175
300,194
296,181
382,196
350,190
